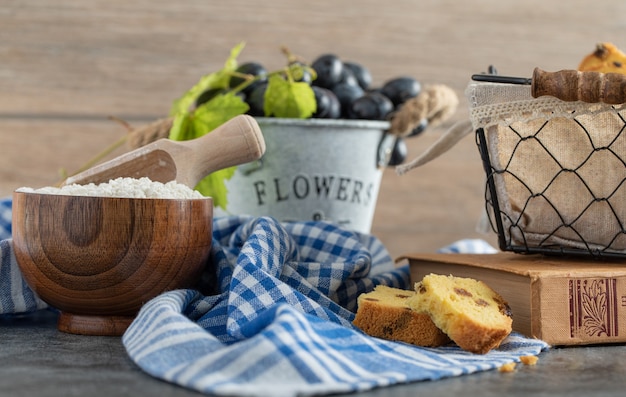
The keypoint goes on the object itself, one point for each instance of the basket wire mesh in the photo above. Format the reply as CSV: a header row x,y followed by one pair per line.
x,y
595,204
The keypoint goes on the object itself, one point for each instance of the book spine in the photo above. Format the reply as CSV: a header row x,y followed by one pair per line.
x,y
577,311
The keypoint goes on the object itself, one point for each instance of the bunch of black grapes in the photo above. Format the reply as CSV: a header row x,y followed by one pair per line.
x,y
343,90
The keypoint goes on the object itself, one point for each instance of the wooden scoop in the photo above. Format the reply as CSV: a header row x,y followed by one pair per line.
x,y
235,142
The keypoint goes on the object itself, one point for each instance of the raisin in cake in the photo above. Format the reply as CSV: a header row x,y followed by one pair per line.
x,y
384,313
472,314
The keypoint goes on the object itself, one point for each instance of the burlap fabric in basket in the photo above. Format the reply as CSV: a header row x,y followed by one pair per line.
x,y
559,168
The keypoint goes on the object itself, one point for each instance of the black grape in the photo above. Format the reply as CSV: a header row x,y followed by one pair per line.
x,y
398,153
371,106
362,75
328,106
347,93
251,68
256,100
400,89
329,69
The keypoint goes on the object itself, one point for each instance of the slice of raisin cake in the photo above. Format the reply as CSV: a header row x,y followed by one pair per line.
x,y
472,314
384,313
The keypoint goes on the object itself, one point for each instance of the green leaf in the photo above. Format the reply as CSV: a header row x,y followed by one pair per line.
x,y
231,63
204,119
216,112
219,79
289,99
213,186
180,130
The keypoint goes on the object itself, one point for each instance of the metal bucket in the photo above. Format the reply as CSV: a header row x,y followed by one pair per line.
x,y
313,169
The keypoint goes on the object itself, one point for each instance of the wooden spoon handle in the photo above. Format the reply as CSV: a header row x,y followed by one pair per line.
x,y
574,85
237,141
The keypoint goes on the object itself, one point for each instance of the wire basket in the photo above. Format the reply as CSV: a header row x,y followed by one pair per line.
x,y
556,171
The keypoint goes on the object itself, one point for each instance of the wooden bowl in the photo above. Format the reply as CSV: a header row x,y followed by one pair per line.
x,y
99,259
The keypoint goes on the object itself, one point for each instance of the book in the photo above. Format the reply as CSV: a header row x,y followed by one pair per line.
x,y
562,301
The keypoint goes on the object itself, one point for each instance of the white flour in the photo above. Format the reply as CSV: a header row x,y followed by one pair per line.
x,y
123,187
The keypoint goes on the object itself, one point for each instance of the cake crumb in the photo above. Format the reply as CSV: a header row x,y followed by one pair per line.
x,y
529,360
508,367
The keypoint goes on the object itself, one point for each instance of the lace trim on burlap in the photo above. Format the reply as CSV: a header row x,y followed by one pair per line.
x,y
503,104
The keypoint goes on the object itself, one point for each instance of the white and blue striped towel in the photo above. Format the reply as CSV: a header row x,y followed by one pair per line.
x,y
279,320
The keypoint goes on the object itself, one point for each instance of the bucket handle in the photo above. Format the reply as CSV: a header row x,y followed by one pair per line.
x,y
385,148
251,167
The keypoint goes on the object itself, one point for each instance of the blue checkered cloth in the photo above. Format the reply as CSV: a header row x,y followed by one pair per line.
x,y
15,294
6,204
279,319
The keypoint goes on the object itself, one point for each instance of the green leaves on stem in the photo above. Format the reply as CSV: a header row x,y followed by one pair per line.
x,y
285,97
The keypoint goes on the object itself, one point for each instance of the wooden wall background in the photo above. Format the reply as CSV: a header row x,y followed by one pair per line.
x,y
66,66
